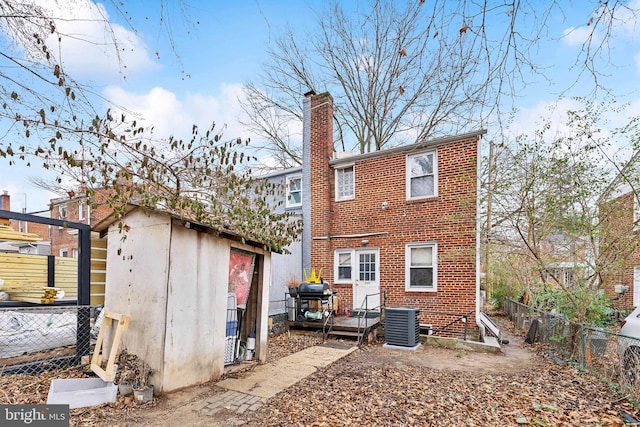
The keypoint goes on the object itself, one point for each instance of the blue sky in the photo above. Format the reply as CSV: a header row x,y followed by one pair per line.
x,y
225,45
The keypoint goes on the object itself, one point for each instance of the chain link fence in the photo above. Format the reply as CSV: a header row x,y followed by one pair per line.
x,y
606,354
36,339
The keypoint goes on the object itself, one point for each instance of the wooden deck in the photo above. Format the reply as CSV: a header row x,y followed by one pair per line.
x,y
342,326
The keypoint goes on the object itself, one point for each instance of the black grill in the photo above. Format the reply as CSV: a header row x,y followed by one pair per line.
x,y
320,291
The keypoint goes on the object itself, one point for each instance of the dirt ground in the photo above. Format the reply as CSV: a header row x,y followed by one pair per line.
x,y
378,386
177,408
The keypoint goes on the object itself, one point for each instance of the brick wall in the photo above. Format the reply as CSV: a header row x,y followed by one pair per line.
x,y
321,145
619,252
42,230
67,238
448,219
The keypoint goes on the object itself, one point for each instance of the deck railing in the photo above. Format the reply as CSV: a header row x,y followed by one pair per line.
x,y
363,322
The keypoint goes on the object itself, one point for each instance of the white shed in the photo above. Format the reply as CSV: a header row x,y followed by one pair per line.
x,y
173,278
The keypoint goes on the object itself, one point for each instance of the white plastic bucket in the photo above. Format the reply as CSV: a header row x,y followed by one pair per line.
x,y
251,344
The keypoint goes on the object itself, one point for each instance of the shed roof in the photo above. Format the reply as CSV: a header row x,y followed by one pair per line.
x,y
103,225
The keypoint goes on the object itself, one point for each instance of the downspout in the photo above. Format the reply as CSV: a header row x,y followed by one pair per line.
x,y
478,322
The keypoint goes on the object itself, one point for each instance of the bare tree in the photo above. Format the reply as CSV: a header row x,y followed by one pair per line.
x,y
49,117
401,74
552,208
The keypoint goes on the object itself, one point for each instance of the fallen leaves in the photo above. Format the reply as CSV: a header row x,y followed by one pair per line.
x,y
285,344
370,387
359,390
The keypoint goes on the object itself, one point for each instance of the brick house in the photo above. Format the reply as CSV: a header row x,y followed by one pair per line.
x,y
401,221
619,252
42,230
75,208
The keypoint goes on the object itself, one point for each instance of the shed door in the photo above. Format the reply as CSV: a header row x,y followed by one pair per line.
x,y
367,280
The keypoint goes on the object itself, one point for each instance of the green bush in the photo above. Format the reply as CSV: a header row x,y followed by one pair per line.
x,y
503,289
579,304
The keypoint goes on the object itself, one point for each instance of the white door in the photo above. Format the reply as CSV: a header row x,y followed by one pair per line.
x,y
636,286
367,280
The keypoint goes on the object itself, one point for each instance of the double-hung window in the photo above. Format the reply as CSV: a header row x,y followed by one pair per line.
x,y
345,183
81,211
62,211
294,191
422,175
421,270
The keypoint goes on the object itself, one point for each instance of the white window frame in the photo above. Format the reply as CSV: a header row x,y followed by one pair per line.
x,y
336,265
64,252
434,262
63,211
408,159
288,180
74,253
82,207
341,186
568,277
636,286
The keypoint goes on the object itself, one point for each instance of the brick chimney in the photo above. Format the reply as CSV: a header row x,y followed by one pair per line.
x,y
318,152
5,205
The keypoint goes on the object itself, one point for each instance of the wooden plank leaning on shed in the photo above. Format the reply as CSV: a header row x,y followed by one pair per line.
x,y
108,374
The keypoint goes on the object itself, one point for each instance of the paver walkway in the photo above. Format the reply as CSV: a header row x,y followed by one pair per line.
x,y
230,400
253,388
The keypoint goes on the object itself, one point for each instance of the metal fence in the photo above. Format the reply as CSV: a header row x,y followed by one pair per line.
x,y
36,339
603,352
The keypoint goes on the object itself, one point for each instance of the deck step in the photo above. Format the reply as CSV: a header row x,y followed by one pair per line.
x,y
334,332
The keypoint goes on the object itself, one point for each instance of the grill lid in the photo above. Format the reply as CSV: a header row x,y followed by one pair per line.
x,y
314,289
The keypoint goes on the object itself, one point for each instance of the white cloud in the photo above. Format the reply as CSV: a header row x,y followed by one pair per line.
x,y
576,36
622,23
170,114
626,20
93,46
529,120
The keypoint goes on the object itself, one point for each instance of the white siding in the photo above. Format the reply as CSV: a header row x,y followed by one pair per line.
x,y
136,284
284,267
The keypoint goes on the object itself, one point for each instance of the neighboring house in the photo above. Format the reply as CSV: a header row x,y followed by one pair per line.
x,y
619,252
568,260
173,277
288,267
75,208
42,247
401,221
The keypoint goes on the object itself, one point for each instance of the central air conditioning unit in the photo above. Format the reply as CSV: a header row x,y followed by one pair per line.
x,y
402,327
